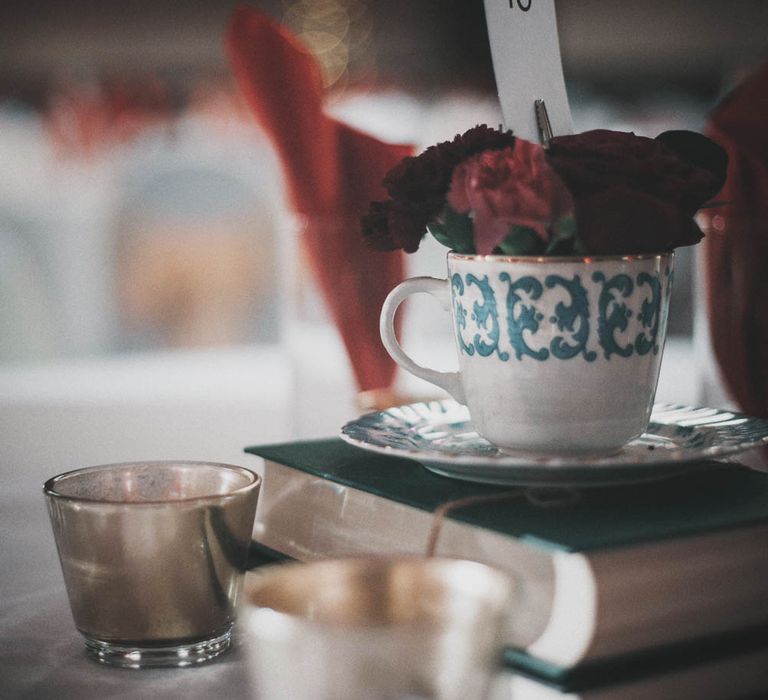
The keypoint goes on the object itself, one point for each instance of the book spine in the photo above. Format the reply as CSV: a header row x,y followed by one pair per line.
x,y
570,607
309,518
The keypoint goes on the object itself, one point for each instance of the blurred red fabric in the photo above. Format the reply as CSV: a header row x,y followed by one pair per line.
x,y
333,172
736,245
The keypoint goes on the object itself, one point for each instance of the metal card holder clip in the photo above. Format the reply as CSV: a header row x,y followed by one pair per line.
x,y
542,121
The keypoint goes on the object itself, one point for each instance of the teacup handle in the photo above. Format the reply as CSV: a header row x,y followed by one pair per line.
x,y
441,290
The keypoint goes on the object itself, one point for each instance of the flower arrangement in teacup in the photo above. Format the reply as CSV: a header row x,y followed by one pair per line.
x,y
559,274
601,192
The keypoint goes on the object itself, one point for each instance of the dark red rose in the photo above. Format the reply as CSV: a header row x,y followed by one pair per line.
x,y
423,178
621,220
417,187
428,175
674,175
481,138
670,166
596,160
387,226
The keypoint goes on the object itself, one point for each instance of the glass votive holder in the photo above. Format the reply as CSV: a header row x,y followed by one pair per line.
x,y
153,556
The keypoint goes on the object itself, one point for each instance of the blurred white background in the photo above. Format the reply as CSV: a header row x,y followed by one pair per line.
x,y
152,300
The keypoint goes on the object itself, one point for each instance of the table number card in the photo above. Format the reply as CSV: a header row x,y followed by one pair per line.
x,y
526,60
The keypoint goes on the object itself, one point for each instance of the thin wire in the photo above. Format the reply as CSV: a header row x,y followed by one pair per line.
x,y
541,497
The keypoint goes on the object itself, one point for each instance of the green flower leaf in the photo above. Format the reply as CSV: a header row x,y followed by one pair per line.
x,y
454,231
439,233
565,239
521,240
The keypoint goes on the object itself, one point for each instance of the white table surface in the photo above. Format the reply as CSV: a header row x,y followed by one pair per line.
x,y
201,405
42,654
76,414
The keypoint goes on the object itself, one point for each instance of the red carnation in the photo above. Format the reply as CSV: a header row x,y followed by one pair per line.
x,y
513,187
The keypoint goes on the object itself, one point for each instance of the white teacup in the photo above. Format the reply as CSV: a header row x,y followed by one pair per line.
x,y
556,355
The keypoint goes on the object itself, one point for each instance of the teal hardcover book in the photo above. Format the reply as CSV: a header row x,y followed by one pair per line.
x,y
734,664
599,572
726,666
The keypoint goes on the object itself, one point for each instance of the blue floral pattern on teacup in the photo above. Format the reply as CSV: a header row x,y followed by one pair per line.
x,y
550,316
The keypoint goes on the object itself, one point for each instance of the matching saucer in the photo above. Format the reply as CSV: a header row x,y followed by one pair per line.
x,y
439,435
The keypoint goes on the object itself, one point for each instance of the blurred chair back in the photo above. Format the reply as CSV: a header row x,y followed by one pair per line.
x,y
196,253
28,310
